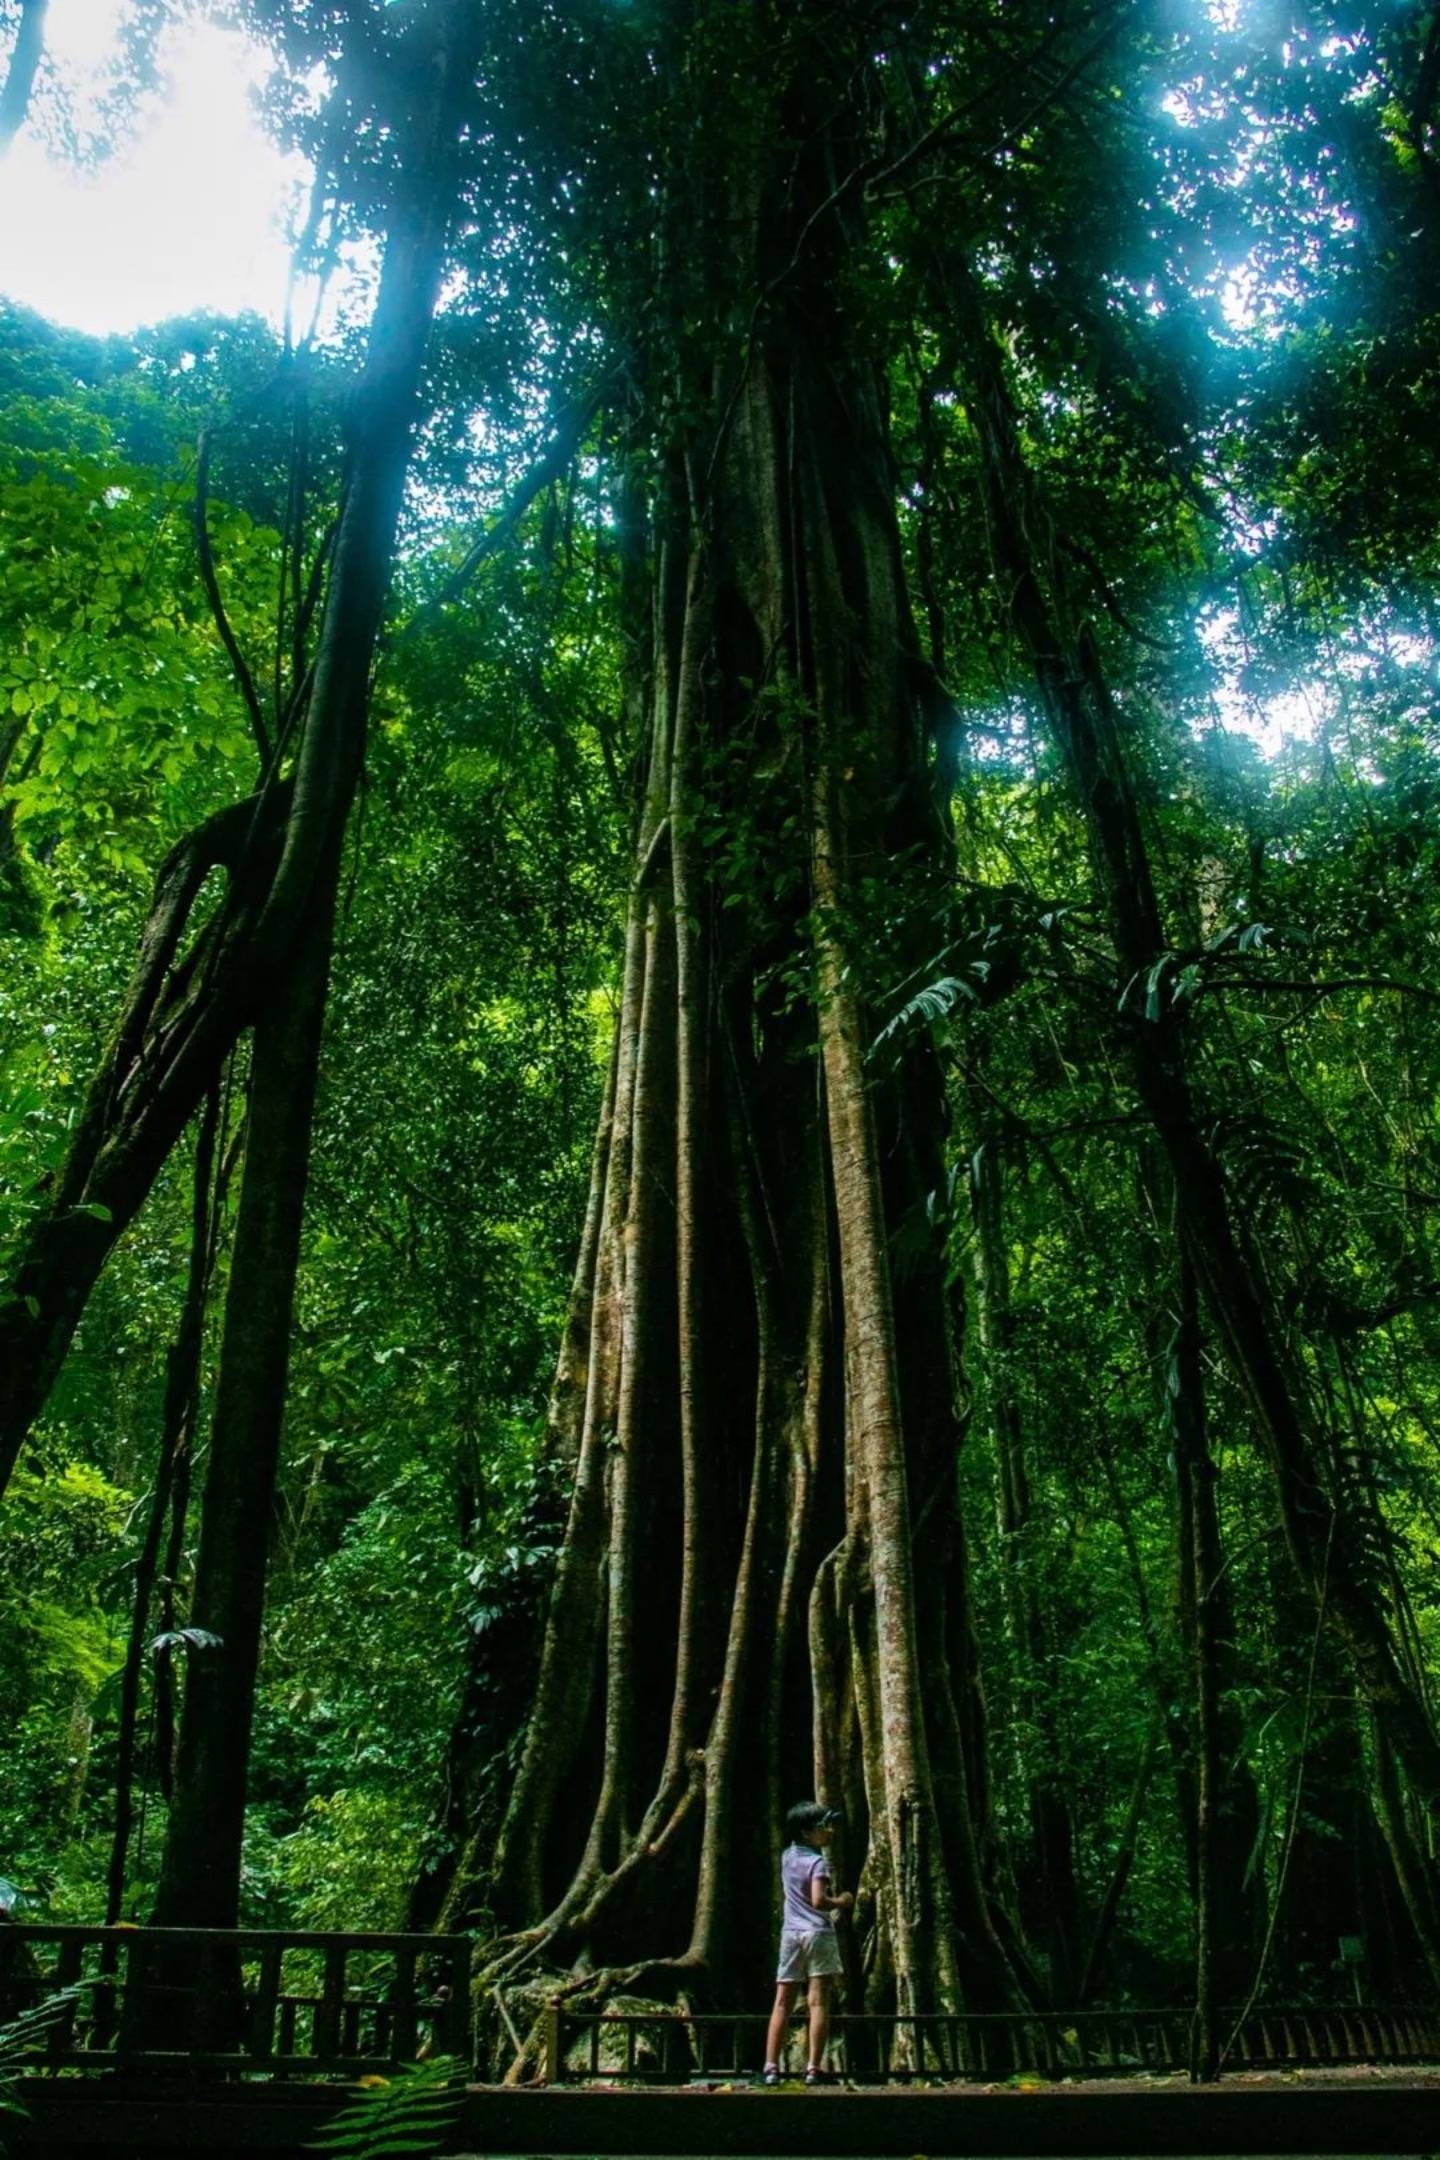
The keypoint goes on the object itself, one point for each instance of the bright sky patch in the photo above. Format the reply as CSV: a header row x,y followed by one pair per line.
x,y
191,213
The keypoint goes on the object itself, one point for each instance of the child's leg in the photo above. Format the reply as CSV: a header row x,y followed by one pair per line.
x,y
779,2019
819,2019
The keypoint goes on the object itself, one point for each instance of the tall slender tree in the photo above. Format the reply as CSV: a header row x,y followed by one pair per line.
x,y
200,1874
1082,712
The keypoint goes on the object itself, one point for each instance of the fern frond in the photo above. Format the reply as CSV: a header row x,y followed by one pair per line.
x,y
936,1001
1267,1165
412,2112
19,2040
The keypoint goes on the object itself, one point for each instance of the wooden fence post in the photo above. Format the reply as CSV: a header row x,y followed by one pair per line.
x,y
554,2043
61,2037
262,2011
458,2039
404,2031
332,1998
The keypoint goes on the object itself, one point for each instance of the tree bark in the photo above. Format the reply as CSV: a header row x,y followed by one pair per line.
x,y
793,1464
182,1401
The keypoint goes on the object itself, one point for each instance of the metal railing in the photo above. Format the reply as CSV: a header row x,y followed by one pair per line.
x,y
277,2001
672,2047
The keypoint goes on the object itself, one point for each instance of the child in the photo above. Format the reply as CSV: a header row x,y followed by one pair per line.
x,y
808,1949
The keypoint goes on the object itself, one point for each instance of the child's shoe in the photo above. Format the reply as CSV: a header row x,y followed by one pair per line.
x,y
814,2075
771,2074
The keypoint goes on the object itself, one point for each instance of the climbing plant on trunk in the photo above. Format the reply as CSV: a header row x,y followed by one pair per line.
x,y
762,1587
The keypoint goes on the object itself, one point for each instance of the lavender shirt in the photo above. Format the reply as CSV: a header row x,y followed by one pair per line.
x,y
799,1867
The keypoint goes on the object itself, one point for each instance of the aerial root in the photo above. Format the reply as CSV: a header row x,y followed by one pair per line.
x,y
667,1980
583,1904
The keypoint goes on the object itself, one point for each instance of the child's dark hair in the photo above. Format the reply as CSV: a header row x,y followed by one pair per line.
x,y
803,1820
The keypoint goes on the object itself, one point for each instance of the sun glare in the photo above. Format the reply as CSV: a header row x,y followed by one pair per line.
x,y
190,213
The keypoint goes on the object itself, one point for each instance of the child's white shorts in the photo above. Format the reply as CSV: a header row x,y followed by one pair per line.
x,y
808,1956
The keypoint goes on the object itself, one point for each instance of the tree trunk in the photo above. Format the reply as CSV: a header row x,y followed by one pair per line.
x,y
182,1400
199,1882
1089,734
1109,1911
770,1415
1202,1593
1052,1905
200,1874
25,57
184,1012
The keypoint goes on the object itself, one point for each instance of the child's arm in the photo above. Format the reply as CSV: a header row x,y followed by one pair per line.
x,y
820,1896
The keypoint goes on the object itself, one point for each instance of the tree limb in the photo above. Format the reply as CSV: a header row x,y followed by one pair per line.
x,y
551,463
1075,546
211,583
24,65
1323,988
953,120
311,595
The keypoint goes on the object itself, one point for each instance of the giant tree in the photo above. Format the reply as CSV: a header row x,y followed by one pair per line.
x,y
762,1586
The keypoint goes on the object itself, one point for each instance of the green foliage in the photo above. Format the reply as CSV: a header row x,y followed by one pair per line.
x,y
20,2038
412,2112
118,718
1208,249
351,1862
462,1075
60,1648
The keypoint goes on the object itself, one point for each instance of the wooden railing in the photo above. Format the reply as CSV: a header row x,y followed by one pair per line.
x,y
300,2004
670,2048
284,2002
